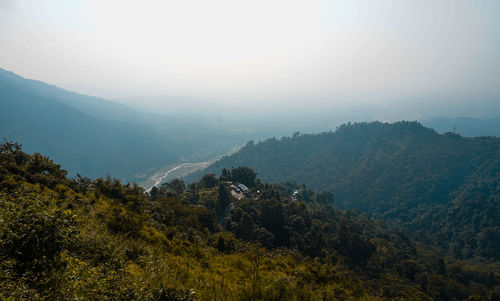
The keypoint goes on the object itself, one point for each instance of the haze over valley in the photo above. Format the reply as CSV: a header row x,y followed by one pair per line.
x,y
259,150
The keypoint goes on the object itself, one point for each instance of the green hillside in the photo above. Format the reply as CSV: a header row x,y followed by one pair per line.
x,y
100,239
444,187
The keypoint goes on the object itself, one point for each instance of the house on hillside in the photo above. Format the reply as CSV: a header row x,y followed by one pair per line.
x,y
243,188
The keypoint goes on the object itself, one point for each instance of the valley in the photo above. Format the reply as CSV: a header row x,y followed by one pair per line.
x,y
250,150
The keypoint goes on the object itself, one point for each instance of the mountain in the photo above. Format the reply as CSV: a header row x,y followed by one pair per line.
x,y
465,126
95,106
371,164
88,135
65,239
94,136
441,186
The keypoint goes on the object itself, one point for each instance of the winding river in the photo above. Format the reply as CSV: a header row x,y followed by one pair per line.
x,y
176,171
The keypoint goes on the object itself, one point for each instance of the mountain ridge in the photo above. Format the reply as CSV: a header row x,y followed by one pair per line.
x,y
403,173
37,115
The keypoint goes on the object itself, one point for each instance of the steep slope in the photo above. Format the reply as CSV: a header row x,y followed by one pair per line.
x,y
38,116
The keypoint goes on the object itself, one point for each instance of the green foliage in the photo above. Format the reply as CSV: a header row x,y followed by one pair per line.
x,y
208,181
442,188
176,185
242,174
103,240
33,233
223,200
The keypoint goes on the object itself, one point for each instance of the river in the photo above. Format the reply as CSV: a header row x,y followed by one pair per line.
x,y
176,171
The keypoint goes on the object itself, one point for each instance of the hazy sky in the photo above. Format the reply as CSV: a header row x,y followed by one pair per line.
x,y
232,50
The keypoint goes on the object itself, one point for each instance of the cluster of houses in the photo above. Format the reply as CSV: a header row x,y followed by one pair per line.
x,y
240,191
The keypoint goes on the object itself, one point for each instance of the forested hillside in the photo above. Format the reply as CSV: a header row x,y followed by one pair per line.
x,y
100,239
444,187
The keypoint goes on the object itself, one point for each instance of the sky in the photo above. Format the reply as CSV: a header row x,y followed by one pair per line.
x,y
298,53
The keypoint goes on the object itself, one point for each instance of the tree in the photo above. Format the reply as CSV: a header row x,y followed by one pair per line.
x,y
223,199
324,197
225,175
83,183
154,192
176,186
246,226
208,181
244,175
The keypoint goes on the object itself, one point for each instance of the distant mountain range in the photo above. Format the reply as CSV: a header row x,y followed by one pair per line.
x,y
94,136
85,134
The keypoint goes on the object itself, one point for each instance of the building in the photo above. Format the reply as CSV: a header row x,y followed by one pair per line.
x,y
243,188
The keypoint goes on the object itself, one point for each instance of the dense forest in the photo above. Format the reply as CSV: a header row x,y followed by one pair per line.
x,y
441,187
77,238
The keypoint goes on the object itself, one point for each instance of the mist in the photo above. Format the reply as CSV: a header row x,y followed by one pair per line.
x,y
400,59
